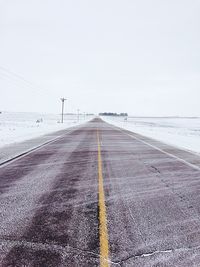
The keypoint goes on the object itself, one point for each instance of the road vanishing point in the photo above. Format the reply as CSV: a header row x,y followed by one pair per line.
x,y
98,195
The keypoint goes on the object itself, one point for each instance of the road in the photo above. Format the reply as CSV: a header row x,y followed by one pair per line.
x,y
101,196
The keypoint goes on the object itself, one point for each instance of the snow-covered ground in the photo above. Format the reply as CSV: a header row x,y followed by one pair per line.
x,y
20,126
180,132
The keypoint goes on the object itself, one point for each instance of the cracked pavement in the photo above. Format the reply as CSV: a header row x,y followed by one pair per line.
x,y
49,210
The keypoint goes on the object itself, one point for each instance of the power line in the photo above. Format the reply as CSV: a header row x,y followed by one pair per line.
x,y
17,77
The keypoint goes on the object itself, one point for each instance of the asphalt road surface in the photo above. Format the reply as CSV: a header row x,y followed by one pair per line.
x,y
101,196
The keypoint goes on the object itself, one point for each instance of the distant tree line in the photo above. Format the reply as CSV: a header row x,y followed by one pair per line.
x,y
113,114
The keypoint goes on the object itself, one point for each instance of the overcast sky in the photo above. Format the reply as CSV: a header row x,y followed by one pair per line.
x,y
135,56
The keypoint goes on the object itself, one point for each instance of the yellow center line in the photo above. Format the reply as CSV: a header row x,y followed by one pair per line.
x,y
103,231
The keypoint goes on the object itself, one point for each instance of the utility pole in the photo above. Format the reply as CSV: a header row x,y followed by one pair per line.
x,y
63,102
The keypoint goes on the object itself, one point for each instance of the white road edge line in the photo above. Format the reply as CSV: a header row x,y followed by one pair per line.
x,y
194,153
28,152
161,150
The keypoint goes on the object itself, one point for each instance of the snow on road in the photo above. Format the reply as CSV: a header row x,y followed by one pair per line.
x,y
177,131
20,126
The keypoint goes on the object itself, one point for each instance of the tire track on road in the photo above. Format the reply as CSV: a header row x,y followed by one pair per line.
x,y
62,218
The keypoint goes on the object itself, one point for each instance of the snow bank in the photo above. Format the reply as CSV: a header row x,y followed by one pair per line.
x,y
179,132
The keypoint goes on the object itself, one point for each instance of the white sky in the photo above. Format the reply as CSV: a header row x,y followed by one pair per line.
x,y
135,56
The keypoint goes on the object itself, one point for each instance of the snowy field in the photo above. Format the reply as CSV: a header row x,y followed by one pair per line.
x,y
179,132
19,126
